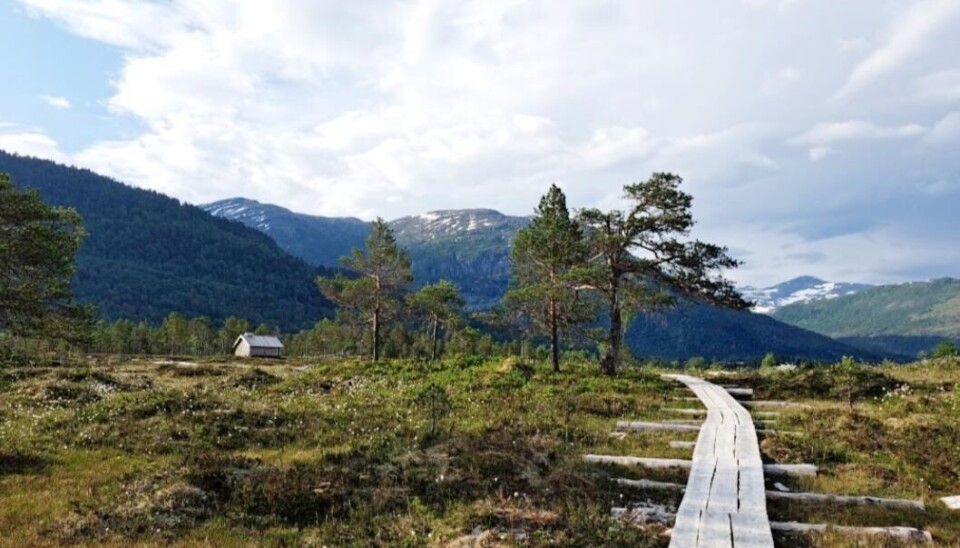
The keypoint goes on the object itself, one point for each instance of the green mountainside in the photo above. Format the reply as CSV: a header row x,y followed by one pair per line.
x,y
147,254
902,319
914,309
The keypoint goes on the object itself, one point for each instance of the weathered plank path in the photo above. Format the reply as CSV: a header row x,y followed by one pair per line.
x,y
725,501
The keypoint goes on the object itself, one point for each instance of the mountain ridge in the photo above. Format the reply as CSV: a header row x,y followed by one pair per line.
x,y
902,318
463,245
471,247
802,289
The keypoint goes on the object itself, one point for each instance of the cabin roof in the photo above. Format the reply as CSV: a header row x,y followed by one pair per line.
x,y
259,341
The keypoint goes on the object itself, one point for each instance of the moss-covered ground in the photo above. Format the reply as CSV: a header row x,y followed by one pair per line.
x,y
341,453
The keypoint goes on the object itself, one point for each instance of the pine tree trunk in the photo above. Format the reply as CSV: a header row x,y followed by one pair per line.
x,y
554,337
611,358
433,352
376,334
376,322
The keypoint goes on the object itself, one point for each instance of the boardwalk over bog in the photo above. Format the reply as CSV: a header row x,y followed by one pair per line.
x,y
725,500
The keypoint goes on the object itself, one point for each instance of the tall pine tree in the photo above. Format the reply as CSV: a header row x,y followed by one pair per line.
x,y
641,261
380,277
37,248
546,258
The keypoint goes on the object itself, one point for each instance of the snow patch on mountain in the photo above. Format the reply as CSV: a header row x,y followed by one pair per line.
x,y
804,289
454,223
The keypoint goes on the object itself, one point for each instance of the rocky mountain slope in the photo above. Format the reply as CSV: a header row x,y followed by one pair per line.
x,y
469,247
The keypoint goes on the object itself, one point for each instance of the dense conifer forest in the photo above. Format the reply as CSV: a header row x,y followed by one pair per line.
x,y
147,254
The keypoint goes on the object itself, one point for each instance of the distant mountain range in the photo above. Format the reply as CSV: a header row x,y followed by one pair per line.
x,y
468,246
320,241
902,319
471,247
147,255
805,289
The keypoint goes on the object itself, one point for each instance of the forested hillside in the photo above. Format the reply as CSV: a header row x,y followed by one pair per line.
x,y
147,254
901,318
729,335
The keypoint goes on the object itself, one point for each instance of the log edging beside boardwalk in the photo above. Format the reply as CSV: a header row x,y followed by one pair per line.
x,y
725,499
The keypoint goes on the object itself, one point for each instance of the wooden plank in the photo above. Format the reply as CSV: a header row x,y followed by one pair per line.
x,y
649,484
795,470
638,461
724,502
747,533
900,533
655,426
681,411
952,503
819,498
824,498
774,403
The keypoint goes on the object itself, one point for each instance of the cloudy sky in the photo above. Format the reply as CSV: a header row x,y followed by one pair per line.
x,y
817,136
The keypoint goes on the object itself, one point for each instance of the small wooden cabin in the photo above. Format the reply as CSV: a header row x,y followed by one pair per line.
x,y
249,345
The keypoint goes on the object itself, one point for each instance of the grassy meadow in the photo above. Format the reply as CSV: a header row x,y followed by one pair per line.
x,y
340,453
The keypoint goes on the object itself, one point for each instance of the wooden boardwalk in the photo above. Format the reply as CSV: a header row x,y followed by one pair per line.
x,y
725,501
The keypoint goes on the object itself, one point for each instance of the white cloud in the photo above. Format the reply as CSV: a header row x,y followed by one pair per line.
x,y
57,102
939,188
769,3
818,153
846,45
879,255
392,108
29,142
134,25
945,132
608,146
940,86
854,130
776,82
909,36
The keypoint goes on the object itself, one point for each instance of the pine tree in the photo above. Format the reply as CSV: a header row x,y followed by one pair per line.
x,y
640,261
380,277
37,248
442,305
546,258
